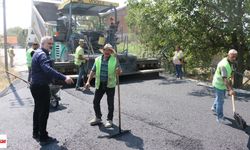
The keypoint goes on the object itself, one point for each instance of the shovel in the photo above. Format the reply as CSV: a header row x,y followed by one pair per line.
x,y
238,119
121,132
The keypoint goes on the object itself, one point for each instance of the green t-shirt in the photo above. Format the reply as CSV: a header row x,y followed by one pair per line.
x,y
79,51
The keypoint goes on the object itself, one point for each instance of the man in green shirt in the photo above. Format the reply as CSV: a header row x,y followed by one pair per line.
x,y
222,82
80,62
29,54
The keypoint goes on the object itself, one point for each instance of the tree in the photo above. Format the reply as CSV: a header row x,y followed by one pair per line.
x,y
204,28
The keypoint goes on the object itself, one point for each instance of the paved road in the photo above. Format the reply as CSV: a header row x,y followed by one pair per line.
x,y
162,114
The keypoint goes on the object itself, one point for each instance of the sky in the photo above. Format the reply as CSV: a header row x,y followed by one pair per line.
x,y
18,13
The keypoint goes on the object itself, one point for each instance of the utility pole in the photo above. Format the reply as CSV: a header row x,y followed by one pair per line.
x,y
5,36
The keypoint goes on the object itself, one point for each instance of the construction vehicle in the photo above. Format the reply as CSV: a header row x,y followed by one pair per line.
x,y
70,20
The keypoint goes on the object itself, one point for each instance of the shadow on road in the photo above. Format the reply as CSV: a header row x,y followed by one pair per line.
x,y
53,146
59,108
204,91
168,81
234,125
130,140
88,92
18,98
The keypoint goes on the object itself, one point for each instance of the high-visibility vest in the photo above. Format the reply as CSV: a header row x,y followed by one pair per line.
x,y
79,51
29,57
111,72
217,79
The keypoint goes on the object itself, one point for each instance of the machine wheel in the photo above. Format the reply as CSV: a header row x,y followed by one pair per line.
x,y
54,103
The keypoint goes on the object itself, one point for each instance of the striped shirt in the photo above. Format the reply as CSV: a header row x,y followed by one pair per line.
x,y
104,69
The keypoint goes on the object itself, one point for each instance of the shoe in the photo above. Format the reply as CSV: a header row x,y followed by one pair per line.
x,y
213,109
78,89
47,141
95,121
108,124
222,120
35,136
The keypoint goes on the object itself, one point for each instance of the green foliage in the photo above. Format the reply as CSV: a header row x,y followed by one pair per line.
x,y
202,28
14,31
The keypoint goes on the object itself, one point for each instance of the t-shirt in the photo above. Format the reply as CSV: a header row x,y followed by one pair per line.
x,y
79,51
178,55
11,52
223,71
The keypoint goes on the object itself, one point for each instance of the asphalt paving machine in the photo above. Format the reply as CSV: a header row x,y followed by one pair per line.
x,y
70,20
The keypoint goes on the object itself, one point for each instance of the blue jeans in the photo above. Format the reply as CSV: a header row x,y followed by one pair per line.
x,y
81,75
178,69
219,101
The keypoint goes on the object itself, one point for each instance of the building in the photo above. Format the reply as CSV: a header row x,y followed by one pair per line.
x,y
11,41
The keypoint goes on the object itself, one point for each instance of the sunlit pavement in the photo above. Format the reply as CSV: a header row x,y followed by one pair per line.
x,y
162,114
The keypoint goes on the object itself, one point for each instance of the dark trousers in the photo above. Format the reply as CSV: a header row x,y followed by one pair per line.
x,y
41,95
179,72
110,100
29,75
81,74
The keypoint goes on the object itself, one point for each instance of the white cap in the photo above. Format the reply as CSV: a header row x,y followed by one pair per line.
x,y
108,47
232,51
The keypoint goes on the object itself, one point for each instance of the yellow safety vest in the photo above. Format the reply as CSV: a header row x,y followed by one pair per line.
x,y
217,79
111,72
28,56
79,51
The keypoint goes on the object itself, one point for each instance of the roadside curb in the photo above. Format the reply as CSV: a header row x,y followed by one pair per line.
x,y
200,83
206,84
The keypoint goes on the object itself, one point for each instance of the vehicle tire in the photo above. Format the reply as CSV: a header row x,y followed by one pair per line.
x,y
54,103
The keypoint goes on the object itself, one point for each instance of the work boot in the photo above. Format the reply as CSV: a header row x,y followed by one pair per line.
x,y
108,124
223,120
213,109
95,121
35,136
47,141
78,89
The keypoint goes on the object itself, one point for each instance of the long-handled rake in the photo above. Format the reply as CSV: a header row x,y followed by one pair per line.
x,y
18,77
238,119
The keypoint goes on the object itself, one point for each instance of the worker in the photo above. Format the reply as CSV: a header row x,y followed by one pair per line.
x,y
113,27
105,69
178,61
80,62
11,55
29,54
222,82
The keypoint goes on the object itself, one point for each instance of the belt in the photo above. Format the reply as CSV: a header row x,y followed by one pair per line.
x,y
103,82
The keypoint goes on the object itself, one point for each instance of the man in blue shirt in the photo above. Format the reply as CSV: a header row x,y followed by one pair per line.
x,y
42,74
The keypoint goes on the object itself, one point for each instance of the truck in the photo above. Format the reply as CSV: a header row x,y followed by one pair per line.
x,y
70,20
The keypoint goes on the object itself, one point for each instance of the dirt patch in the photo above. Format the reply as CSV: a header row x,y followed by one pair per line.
x,y
5,80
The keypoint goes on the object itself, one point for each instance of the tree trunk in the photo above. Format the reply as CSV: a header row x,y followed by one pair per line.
x,y
240,61
240,68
